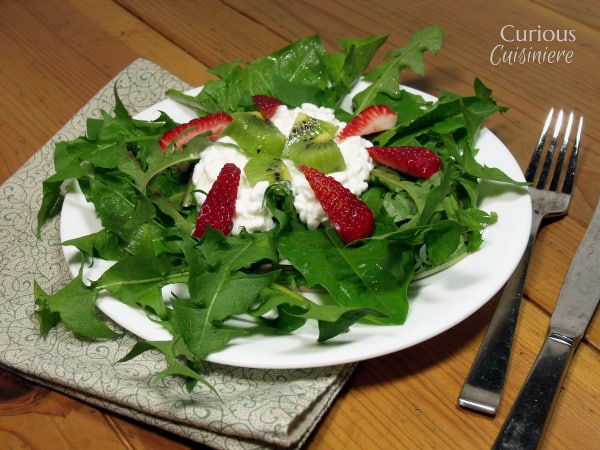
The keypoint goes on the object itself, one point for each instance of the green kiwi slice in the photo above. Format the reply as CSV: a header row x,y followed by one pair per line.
x,y
311,143
324,156
307,128
265,168
255,135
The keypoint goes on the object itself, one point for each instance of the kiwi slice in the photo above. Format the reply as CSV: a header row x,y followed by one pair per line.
x,y
323,155
307,128
311,143
266,168
255,135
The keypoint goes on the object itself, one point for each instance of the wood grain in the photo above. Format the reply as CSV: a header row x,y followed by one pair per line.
x,y
55,55
583,11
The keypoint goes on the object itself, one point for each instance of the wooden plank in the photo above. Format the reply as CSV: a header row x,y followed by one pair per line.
x,y
124,29
212,31
58,423
584,11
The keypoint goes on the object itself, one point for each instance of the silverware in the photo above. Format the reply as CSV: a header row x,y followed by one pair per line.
x,y
577,302
483,387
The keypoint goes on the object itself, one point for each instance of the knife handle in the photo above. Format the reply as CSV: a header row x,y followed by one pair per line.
x,y
527,420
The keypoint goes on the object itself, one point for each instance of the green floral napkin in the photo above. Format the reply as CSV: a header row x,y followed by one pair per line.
x,y
256,408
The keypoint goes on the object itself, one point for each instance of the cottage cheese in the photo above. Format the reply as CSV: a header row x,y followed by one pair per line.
x,y
251,212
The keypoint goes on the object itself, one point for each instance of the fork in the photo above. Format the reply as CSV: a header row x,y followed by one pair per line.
x,y
550,197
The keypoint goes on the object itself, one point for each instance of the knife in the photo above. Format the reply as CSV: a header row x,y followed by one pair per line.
x,y
577,302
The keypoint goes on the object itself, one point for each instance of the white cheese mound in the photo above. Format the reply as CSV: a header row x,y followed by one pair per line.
x,y
251,212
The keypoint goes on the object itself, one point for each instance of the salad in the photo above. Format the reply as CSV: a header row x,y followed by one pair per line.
x,y
356,233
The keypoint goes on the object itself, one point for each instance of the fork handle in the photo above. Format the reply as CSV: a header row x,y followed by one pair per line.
x,y
527,420
483,387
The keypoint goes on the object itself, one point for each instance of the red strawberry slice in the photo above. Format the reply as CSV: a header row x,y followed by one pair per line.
x,y
350,216
419,162
218,208
266,104
372,119
185,132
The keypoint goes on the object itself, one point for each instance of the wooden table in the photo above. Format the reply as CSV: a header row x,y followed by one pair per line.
x,y
55,55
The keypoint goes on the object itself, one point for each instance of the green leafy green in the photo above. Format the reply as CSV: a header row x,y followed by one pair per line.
x,y
74,306
266,278
385,78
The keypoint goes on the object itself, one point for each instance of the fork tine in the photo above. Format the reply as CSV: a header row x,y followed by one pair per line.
x,y
550,152
537,153
570,175
561,154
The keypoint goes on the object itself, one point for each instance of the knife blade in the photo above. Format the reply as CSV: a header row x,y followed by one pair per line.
x,y
577,302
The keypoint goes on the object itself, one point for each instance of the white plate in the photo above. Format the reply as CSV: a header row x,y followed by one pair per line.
x,y
437,303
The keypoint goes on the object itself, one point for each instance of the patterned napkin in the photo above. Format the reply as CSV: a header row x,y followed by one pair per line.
x,y
256,408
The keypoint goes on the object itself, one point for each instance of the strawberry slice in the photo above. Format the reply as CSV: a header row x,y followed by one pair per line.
x,y
372,119
350,216
266,104
419,162
218,208
182,134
